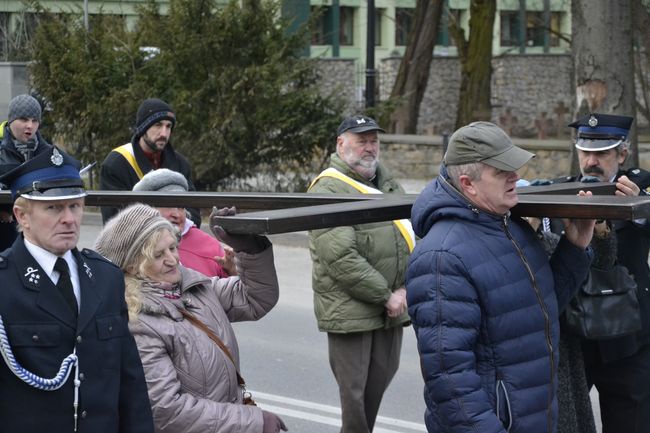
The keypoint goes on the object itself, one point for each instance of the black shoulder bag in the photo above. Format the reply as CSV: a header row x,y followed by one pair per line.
x,y
606,306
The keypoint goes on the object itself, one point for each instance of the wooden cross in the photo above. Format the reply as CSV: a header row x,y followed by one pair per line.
x,y
272,213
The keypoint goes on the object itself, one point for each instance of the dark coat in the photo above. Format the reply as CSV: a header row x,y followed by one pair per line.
x,y
11,158
484,301
42,331
633,245
118,175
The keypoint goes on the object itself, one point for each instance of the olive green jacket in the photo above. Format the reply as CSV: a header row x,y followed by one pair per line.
x,y
355,268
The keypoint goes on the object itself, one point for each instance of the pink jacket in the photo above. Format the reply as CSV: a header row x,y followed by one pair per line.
x,y
197,249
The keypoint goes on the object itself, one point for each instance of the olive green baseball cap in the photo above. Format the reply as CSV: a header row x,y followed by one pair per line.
x,y
487,143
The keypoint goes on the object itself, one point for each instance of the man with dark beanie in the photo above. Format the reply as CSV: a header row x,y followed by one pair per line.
x,y
20,142
149,149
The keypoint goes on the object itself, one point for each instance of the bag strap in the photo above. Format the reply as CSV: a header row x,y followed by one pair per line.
x,y
214,337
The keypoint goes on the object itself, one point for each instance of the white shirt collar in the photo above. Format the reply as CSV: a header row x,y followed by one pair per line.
x,y
47,260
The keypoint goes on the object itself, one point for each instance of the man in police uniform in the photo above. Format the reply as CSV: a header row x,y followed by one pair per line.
x,y
57,301
619,367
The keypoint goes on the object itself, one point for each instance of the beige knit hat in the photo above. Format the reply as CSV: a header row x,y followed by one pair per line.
x,y
126,233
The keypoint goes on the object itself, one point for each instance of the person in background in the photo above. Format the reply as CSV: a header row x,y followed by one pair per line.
x,y
60,303
197,250
483,296
21,141
181,322
358,278
618,367
150,149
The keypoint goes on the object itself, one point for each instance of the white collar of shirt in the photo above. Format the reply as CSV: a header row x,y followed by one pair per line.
x,y
188,225
47,260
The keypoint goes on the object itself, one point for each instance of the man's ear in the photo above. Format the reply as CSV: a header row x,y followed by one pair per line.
x,y
20,215
622,155
466,185
339,144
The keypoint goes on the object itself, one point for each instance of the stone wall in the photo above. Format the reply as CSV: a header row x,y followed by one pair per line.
x,y
337,76
419,157
527,91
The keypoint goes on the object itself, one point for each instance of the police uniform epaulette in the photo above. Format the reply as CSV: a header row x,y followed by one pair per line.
x,y
639,176
94,255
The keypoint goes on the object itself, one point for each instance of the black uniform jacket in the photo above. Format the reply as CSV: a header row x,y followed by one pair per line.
x,y
11,158
633,244
117,174
42,330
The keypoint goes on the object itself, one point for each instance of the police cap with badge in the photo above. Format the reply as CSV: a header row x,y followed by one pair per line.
x,y
598,132
51,175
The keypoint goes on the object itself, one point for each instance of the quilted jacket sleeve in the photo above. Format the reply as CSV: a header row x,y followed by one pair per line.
x,y
445,311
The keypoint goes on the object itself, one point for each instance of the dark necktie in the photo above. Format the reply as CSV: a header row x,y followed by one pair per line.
x,y
65,284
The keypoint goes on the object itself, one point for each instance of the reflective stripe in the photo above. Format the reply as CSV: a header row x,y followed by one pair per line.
x,y
404,225
126,150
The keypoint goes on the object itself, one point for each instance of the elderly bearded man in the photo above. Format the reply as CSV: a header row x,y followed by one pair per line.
x,y
358,278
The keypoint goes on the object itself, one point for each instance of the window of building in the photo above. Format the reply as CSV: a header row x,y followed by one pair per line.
x,y
536,29
509,32
556,27
321,32
323,28
448,16
404,20
346,29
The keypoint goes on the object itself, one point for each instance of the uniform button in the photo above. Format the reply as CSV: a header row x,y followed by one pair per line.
x,y
110,328
35,337
79,339
83,414
82,376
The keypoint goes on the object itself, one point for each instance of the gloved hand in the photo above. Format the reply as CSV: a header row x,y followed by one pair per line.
x,y
541,182
272,423
590,179
251,244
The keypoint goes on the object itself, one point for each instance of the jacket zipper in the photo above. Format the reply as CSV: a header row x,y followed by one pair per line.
x,y
501,384
547,322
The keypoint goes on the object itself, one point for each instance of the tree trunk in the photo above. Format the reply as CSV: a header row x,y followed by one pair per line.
x,y
475,55
413,74
603,61
641,17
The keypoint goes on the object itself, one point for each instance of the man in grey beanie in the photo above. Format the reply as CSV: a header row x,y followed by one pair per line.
x,y
21,141
150,149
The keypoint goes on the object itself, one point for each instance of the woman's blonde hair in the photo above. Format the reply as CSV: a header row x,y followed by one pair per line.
x,y
135,272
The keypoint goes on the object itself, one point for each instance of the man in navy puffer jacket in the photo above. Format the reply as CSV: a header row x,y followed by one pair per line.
x,y
483,295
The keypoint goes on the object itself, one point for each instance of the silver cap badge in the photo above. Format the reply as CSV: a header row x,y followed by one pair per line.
x,y
593,122
56,158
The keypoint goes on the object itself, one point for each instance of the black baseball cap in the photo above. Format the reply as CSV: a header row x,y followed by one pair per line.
x,y
358,124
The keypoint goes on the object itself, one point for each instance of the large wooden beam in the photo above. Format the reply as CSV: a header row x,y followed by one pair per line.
x,y
397,207
287,212
570,188
244,201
